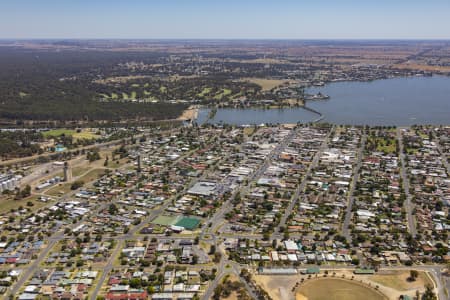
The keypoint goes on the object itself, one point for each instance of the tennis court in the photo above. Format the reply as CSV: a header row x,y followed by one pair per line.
x,y
188,223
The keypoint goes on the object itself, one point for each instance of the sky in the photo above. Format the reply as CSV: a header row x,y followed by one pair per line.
x,y
225,19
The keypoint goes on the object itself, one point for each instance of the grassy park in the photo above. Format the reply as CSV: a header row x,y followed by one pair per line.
x,y
83,134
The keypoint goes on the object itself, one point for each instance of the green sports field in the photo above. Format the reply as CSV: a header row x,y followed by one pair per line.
x,y
165,220
185,222
188,223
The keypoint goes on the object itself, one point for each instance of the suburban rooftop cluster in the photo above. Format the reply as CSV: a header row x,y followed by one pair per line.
x,y
168,215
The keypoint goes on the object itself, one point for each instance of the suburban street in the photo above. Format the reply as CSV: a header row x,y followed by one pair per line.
x,y
300,188
409,208
351,198
209,233
218,216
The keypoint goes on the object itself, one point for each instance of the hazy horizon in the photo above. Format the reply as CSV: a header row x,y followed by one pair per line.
x,y
233,39
226,20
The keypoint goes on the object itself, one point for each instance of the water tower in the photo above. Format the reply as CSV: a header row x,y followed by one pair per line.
x,y
67,172
139,163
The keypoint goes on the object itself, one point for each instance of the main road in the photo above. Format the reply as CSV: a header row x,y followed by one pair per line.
x,y
351,198
301,187
226,206
408,203
59,235
154,213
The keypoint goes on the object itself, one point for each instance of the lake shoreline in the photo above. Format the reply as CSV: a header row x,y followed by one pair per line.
x,y
402,101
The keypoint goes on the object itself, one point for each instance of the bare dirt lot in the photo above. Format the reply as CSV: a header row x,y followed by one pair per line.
x,y
383,285
189,114
337,289
266,84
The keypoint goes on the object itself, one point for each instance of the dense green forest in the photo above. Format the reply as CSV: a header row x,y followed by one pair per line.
x,y
53,85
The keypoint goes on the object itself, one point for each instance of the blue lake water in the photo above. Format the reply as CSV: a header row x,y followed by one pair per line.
x,y
249,116
399,101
